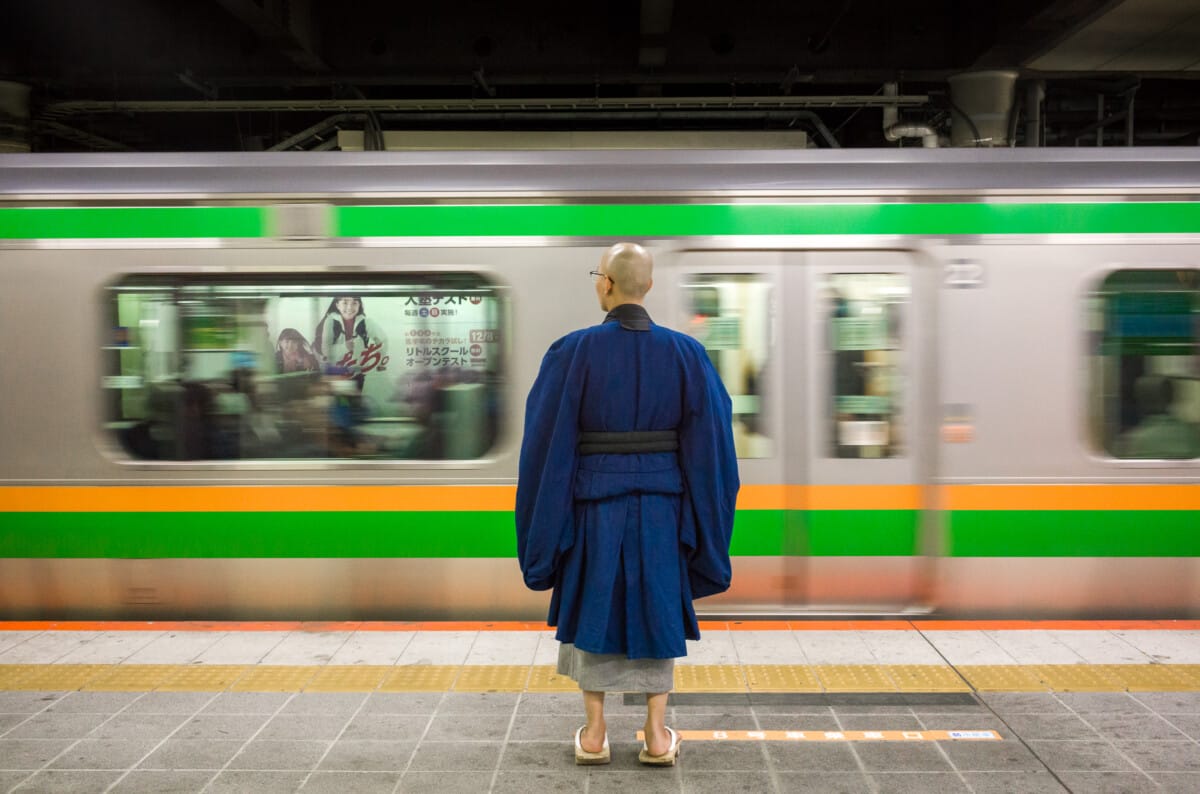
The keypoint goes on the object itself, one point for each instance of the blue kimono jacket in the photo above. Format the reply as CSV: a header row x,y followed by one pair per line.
x,y
626,540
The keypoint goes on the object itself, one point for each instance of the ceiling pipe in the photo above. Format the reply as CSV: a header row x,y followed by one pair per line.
x,y
472,106
1035,98
894,129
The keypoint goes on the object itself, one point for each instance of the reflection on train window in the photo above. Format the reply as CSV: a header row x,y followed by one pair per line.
x,y
864,313
287,369
731,316
1145,364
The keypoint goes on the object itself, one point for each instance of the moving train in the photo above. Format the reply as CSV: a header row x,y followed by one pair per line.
x,y
965,382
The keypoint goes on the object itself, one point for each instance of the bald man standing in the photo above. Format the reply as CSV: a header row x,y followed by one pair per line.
x,y
625,500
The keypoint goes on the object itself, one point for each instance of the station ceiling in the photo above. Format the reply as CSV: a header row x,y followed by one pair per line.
x,y
163,75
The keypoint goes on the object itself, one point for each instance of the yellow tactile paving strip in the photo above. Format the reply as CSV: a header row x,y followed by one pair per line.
x,y
348,678
1002,678
709,678
853,678
730,678
420,678
203,678
130,678
543,679
274,678
926,678
781,678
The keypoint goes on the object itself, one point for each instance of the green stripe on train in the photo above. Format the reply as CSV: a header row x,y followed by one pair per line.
x,y
1074,533
60,223
300,534
651,220
824,533
616,220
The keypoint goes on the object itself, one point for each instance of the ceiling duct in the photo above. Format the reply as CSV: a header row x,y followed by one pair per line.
x,y
982,103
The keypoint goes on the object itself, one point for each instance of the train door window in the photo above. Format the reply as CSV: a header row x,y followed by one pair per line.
x,y
730,314
864,312
1145,364
402,367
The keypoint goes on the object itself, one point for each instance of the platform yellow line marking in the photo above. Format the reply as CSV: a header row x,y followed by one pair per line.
x,y
492,678
543,678
348,678
1149,677
1002,677
709,678
1078,678
60,677
853,678
274,678
781,678
420,678
926,678
727,678
204,678
836,736
12,674
130,678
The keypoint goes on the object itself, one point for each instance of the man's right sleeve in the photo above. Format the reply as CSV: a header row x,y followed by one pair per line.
x,y
545,514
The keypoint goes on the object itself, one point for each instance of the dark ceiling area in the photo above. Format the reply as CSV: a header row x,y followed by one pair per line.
x,y
236,75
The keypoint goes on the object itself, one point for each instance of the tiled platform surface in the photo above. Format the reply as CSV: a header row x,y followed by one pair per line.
x,y
469,707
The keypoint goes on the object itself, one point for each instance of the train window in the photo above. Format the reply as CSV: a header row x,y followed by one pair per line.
x,y
405,367
864,313
730,314
1145,364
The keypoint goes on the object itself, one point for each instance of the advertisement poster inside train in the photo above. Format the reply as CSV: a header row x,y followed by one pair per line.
x,y
394,348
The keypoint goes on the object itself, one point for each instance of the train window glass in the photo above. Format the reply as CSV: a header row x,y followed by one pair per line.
x,y
864,313
406,367
1145,364
730,314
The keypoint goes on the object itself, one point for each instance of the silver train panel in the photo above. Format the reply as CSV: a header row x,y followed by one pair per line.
x,y
391,589
433,176
1014,354
1134,587
490,589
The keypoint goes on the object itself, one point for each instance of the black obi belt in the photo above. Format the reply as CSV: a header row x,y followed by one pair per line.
x,y
628,443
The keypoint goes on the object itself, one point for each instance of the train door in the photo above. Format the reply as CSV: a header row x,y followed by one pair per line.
x,y
864,358
731,302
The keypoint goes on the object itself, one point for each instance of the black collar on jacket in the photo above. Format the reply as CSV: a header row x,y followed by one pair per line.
x,y
631,316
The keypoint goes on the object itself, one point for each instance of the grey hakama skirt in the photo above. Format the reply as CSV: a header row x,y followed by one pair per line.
x,y
612,672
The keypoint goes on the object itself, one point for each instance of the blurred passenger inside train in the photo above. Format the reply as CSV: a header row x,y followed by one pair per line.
x,y
294,354
1160,435
625,501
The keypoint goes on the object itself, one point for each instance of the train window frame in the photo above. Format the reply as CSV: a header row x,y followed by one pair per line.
x,y
1096,414
321,287
756,431
891,332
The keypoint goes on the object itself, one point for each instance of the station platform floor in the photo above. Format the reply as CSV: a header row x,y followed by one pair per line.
x,y
846,706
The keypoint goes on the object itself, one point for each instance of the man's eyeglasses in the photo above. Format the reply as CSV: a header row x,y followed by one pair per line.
x,y
597,275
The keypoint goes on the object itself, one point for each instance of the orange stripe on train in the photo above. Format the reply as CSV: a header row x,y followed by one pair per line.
x,y
424,498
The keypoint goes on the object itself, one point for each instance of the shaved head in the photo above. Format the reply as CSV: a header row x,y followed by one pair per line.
x,y
630,267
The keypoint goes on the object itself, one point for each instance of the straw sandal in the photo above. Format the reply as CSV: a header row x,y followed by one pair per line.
x,y
667,758
584,758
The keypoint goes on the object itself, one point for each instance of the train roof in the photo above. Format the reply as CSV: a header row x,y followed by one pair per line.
x,y
353,176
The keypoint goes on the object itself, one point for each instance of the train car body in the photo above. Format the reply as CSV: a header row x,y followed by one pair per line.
x,y
965,382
